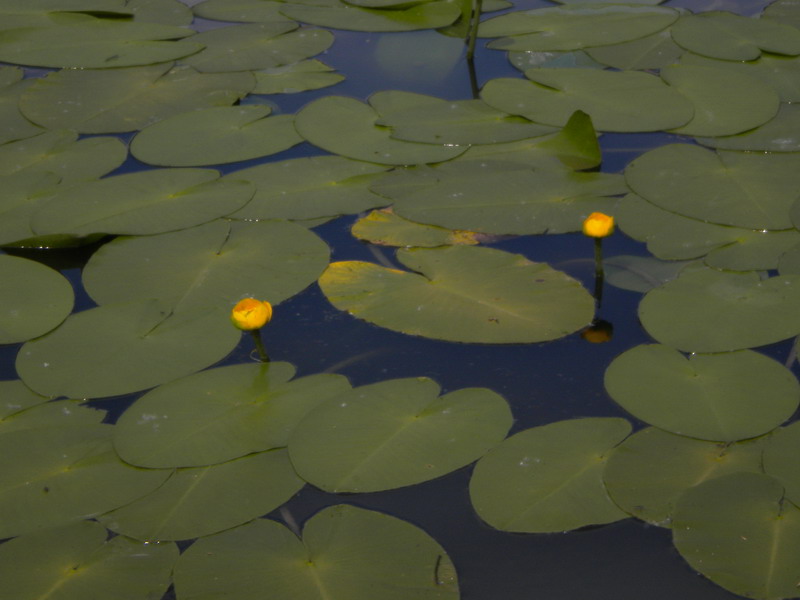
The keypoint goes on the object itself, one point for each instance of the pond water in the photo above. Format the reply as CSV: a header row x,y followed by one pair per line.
x,y
543,383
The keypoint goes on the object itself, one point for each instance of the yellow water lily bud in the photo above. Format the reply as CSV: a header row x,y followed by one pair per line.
x,y
598,225
250,314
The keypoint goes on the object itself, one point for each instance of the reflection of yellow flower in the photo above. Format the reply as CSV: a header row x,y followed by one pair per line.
x,y
598,332
598,225
250,314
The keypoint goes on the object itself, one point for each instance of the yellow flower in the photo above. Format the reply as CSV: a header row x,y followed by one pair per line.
x,y
250,314
598,225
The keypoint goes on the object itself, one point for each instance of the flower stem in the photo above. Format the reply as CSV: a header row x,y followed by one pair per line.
x,y
262,353
477,6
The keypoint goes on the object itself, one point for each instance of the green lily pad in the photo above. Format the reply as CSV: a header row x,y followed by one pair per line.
x,y
640,273
714,311
15,14
204,500
349,128
395,433
749,190
741,533
653,51
96,44
211,266
382,552
242,11
718,397
119,100
77,562
462,294
220,414
779,134
613,99
124,347
711,90
296,77
58,413
210,136
780,460
785,11
33,299
549,478
384,228
574,26
340,15
307,188
23,192
728,36
13,125
647,473
52,476
141,203
166,12
16,397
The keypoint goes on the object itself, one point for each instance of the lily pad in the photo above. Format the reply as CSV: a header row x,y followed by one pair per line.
x,y
14,125
77,561
119,100
16,397
741,533
549,478
349,128
649,471
204,500
382,552
653,51
384,228
220,414
779,134
640,273
462,294
780,459
141,203
33,299
218,135
395,433
307,188
22,194
713,311
718,397
613,99
52,476
296,77
211,266
340,15
58,413
124,347
242,11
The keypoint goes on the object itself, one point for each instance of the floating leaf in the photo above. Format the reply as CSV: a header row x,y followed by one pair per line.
x,y
780,459
649,471
77,561
33,299
640,273
384,228
245,11
220,414
124,347
118,100
204,500
649,52
741,533
16,397
462,294
51,476
58,413
718,397
340,15
13,125
166,12
346,552
780,134
549,478
713,311
141,203
209,266
395,433
613,99
296,77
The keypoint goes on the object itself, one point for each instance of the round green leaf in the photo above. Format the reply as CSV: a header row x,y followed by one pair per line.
x,y
780,134
647,472
124,347
16,397
77,562
244,11
33,299
220,414
340,15
54,475
614,99
58,413
462,294
713,311
650,52
718,397
640,273
13,125
348,127
395,433
204,500
22,193
741,533
780,459
296,77
384,228
141,203
209,266
345,552
549,478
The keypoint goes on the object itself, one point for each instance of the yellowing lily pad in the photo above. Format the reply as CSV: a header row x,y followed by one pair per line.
x,y
384,228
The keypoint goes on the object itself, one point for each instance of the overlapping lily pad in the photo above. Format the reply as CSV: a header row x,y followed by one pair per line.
x,y
650,52
641,273
340,15
462,294
245,11
297,77
718,397
395,433
14,125
77,561
384,228
58,413
780,460
16,397
549,478
22,194
779,134
56,475
220,414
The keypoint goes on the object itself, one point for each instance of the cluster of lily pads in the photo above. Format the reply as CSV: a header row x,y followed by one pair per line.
x,y
207,452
